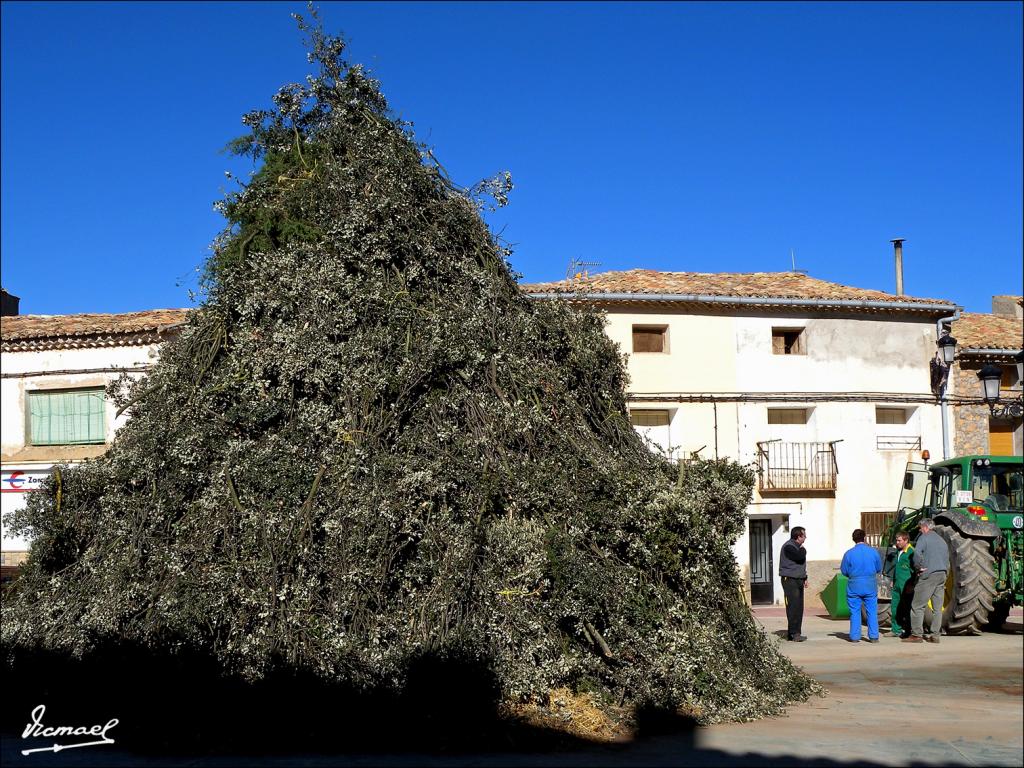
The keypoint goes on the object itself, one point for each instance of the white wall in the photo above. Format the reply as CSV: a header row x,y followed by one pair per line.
x,y
733,354
701,351
34,462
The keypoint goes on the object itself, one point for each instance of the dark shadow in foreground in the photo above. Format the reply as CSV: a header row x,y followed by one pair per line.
x,y
182,704
180,710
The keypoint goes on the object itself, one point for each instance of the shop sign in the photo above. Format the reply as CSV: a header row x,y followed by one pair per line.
x,y
21,481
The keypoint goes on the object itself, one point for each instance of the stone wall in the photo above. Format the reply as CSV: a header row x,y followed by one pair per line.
x,y
970,422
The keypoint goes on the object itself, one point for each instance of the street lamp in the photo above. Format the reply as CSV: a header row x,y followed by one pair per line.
x,y
990,377
947,349
940,366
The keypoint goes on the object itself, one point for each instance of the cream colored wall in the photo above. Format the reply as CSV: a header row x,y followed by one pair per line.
x,y
720,354
843,355
701,357
13,406
702,352
13,390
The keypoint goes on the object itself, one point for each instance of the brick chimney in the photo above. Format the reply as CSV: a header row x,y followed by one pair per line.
x,y
1008,306
8,303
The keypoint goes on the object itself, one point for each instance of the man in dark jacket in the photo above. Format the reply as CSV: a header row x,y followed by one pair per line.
x,y
793,570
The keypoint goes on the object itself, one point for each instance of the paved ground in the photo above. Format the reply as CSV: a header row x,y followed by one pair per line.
x,y
960,700
958,703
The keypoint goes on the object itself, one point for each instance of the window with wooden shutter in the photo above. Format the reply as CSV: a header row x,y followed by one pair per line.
x,y
648,417
890,415
787,415
67,417
788,341
650,338
1000,437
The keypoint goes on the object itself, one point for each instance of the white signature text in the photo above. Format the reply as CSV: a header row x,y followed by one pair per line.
x,y
36,729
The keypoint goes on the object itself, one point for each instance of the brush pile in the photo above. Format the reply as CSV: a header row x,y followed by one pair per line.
x,y
368,448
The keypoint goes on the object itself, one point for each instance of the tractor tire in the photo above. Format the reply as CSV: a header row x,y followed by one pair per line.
x,y
884,613
970,583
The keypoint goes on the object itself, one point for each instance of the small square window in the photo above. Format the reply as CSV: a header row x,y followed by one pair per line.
x,y
788,341
650,338
788,415
67,417
648,417
890,415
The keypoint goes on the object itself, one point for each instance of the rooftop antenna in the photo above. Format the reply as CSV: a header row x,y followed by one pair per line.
x,y
578,269
792,258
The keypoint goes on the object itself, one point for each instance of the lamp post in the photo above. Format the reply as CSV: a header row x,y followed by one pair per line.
x,y
990,377
947,349
944,359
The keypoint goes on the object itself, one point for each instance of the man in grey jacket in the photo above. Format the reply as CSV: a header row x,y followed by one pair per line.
x,y
931,558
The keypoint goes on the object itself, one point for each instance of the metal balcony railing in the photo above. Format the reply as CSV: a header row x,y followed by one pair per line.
x,y
785,466
898,442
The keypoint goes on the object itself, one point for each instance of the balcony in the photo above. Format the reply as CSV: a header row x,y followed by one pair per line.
x,y
790,467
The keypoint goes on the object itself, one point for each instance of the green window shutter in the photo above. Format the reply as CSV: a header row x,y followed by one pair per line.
x,y
67,417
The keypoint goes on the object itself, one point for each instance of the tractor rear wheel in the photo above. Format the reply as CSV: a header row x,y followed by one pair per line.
x,y
970,583
884,613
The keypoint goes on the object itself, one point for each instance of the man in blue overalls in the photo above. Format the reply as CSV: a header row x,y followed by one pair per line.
x,y
860,565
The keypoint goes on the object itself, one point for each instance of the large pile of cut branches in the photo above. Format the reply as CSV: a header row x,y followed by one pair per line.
x,y
368,448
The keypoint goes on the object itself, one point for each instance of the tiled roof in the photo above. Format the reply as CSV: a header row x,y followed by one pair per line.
x,y
985,331
28,332
768,285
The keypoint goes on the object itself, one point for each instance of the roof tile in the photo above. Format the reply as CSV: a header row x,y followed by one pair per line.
x,y
774,285
986,331
51,331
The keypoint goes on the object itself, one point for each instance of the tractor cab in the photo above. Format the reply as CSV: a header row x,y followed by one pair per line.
x,y
983,486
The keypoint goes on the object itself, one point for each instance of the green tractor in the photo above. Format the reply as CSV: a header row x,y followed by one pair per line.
x,y
977,503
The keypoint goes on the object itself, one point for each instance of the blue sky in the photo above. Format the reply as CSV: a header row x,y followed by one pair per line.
x,y
695,136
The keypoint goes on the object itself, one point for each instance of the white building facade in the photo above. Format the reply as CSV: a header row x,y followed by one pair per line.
x,y
823,389
55,369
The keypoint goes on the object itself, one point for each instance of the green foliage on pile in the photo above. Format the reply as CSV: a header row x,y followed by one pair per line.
x,y
367,446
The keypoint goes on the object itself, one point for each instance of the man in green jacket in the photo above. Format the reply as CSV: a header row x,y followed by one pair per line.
x,y
902,586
